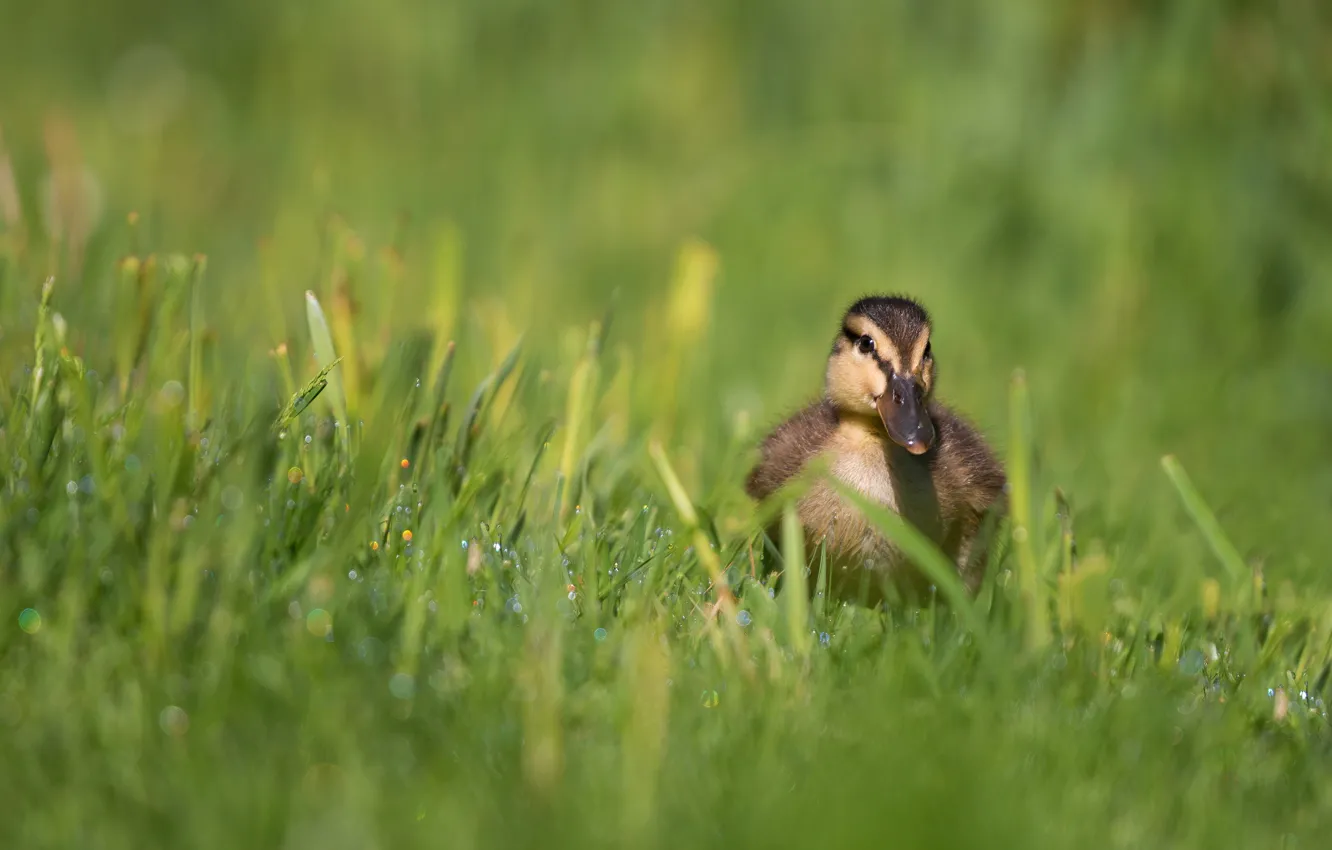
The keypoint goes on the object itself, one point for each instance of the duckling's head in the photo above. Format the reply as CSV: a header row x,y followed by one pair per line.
x,y
881,367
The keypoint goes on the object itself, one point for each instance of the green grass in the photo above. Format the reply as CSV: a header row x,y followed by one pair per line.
x,y
411,515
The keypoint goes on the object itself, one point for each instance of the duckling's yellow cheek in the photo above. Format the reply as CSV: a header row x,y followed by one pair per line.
x,y
877,384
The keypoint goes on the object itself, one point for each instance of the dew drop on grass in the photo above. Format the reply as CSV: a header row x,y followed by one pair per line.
x,y
30,621
599,635
743,618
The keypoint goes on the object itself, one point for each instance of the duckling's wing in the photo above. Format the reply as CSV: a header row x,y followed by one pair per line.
x,y
789,447
964,463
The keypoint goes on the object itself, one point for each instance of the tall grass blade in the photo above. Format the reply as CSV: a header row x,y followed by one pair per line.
x,y
1031,585
322,340
795,590
922,552
1202,516
194,385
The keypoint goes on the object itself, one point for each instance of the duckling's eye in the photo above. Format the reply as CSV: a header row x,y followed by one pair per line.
x,y
865,345
926,355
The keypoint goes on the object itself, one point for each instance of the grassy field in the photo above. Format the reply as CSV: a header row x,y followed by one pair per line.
x,y
377,382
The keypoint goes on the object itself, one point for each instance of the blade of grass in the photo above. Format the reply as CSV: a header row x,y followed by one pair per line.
x,y
794,588
1035,610
195,381
923,553
1205,519
322,339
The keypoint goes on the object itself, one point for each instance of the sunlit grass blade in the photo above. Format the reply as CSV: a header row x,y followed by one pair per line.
x,y
322,340
707,556
576,409
1031,584
1225,551
194,384
795,590
922,552
647,664
467,429
41,339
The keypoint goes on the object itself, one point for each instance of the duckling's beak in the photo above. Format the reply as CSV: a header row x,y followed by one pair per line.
x,y
902,409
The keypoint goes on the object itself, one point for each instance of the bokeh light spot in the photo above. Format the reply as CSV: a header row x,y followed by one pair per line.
x,y
319,622
174,721
402,686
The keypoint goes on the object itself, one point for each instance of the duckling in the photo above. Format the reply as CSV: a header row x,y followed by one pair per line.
x,y
884,434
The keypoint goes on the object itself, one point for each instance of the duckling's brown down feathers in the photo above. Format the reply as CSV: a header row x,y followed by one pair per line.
x,y
945,492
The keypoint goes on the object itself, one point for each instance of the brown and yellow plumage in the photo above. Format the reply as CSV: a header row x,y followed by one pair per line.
x,y
882,433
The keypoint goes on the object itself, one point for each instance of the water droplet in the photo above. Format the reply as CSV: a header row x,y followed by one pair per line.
x,y
30,621
599,635
743,618
351,574
825,638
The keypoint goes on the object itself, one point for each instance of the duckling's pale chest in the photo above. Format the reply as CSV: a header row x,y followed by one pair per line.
x,y
861,459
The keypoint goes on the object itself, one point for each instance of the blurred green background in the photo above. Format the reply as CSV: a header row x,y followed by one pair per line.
x,y
1130,200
